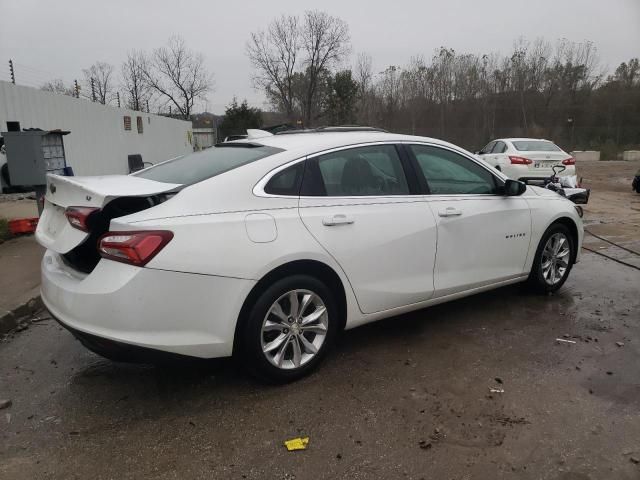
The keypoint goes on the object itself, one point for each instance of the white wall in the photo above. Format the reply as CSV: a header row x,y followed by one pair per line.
x,y
590,155
98,143
631,155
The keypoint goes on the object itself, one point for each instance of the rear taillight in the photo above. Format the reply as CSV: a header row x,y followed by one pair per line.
x,y
520,160
569,161
134,248
78,216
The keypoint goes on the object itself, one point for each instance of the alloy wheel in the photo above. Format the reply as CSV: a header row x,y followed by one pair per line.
x,y
555,258
294,329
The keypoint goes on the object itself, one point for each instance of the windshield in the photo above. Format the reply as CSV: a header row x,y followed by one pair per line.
x,y
535,146
199,166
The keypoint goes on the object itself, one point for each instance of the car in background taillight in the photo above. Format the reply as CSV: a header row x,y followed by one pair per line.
x,y
569,161
519,160
135,248
78,216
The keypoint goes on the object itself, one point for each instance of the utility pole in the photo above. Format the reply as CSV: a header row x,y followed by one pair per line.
x,y
13,77
118,97
93,90
76,88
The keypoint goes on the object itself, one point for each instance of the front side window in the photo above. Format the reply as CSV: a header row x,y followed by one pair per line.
x,y
199,166
363,171
488,147
499,147
449,173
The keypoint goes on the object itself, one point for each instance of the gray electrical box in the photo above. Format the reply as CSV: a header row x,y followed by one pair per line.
x,y
32,154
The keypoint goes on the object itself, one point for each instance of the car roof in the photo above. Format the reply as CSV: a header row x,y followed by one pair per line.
x,y
522,139
318,141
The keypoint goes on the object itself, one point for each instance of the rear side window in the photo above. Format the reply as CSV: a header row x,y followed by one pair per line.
x,y
286,182
363,171
199,166
535,146
448,173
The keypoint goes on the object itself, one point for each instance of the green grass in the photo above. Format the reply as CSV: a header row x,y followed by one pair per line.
x,y
4,230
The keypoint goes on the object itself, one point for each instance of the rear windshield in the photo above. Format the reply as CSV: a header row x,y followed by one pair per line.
x,y
535,146
196,167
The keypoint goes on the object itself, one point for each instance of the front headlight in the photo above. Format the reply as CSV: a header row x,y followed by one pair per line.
x,y
579,210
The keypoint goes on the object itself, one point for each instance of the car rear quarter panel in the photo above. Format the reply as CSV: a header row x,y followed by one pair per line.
x,y
222,245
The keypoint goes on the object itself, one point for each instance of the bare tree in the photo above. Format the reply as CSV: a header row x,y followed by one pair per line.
x,y
325,40
293,84
519,73
58,86
364,77
274,55
100,73
390,88
134,82
442,64
178,75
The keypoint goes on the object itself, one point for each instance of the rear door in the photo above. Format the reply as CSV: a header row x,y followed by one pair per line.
x,y
483,236
498,155
363,207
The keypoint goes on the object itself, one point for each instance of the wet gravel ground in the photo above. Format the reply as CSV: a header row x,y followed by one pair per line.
x,y
408,397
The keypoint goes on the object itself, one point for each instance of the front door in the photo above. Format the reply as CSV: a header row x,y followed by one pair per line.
x,y
483,236
358,205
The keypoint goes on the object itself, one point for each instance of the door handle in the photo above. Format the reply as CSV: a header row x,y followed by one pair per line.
x,y
338,219
450,212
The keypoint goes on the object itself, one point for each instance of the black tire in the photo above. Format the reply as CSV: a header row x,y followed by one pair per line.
x,y
250,349
537,280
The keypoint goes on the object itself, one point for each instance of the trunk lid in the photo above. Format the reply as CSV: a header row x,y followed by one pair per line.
x,y
543,161
54,230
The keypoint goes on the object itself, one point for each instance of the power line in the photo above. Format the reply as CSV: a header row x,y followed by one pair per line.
x,y
34,69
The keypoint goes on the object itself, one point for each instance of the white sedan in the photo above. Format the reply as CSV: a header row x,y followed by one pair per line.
x,y
267,248
527,159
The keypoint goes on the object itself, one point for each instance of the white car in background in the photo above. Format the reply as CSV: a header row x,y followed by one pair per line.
x,y
267,248
527,159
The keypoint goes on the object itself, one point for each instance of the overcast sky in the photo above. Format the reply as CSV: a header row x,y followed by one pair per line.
x,y
57,39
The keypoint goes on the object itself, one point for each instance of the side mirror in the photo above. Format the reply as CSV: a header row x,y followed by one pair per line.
x,y
513,188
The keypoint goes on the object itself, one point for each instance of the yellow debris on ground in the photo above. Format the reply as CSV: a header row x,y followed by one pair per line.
x,y
296,443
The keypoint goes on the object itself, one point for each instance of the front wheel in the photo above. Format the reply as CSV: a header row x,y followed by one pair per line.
x,y
553,260
289,329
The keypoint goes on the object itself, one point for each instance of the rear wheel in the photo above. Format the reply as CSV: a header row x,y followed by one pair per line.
x,y
289,329
553,260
